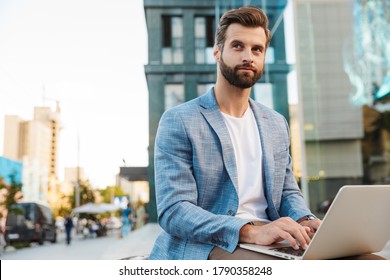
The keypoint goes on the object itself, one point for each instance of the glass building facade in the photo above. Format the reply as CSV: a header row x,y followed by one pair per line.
x,y
342,60
11,170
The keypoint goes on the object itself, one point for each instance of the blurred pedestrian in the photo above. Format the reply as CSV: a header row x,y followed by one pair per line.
x,y
68,228
126,221
140,215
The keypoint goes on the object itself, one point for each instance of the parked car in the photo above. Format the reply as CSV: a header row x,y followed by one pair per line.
x,y
32,222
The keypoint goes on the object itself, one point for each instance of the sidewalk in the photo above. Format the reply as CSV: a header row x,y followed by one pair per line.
x,y
137,245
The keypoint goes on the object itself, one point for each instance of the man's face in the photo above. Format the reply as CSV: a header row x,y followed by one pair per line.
x,y
242,60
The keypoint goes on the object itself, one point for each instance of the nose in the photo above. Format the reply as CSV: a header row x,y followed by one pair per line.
x,y
247,57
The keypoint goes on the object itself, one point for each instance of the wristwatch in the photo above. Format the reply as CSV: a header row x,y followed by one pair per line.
x,y
306,218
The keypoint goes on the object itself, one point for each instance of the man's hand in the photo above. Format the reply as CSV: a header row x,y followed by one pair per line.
x,y
282,229
312,224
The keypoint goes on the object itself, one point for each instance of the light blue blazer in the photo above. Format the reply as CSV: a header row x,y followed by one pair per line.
x,y
196,178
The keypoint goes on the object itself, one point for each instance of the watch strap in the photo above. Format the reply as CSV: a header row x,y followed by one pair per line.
x,y
305,218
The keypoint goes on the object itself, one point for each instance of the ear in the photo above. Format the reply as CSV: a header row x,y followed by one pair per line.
x,y
216,52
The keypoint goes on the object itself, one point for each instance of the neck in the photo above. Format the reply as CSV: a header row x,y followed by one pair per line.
x,y
231,100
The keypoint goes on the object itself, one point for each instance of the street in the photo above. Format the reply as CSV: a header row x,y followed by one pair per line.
x,y
110,247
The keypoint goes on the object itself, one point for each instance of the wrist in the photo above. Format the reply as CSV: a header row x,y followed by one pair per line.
x,y
306,218
245,233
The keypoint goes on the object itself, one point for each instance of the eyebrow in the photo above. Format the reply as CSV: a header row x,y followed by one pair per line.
x,y
235,42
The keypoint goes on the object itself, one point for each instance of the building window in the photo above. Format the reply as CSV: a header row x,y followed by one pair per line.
x,y
263,94
204,40
270,56
174,95
172,44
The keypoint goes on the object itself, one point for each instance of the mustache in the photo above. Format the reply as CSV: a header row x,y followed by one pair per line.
x,y
246,66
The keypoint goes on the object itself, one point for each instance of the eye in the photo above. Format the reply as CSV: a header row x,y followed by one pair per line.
x,y
237,46
258,49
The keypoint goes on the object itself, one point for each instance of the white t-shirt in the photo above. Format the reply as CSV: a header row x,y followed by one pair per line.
x,y
245,137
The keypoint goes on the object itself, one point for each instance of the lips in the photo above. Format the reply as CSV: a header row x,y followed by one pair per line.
x,y
246,69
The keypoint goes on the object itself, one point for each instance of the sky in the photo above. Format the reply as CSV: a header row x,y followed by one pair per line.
x,y
89,55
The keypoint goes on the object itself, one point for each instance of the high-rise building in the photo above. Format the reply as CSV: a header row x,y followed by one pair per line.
x,y
12,126
72,177
35,143
51,120
181,64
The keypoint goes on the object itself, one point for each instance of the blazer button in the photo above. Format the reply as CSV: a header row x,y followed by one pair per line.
x,y
230,213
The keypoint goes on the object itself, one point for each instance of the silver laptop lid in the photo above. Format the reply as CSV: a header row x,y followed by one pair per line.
x,y
357,222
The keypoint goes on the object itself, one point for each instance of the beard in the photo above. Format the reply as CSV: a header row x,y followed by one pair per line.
x,y
240,80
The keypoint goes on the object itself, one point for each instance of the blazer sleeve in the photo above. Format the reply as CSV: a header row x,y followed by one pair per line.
x,y
176,190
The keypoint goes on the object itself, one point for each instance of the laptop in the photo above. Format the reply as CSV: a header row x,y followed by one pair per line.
x,y
356,223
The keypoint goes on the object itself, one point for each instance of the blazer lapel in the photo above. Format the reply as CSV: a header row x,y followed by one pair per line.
x,y
211,112
265,131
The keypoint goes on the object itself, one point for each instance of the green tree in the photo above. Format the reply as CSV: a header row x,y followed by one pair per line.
x,y
65,205
12,195
110,192
86,194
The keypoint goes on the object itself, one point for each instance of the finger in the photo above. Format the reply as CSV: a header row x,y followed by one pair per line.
x,y
302,242
290,239
301,235
308,231
313,230
306,235
295,232
313,224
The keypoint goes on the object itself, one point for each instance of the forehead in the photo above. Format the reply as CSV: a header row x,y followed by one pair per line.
x,y
249,35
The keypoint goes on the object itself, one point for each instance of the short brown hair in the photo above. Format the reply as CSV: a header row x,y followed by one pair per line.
x,y
247,16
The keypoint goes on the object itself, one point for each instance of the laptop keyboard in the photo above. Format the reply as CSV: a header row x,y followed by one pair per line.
x,y
290,251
